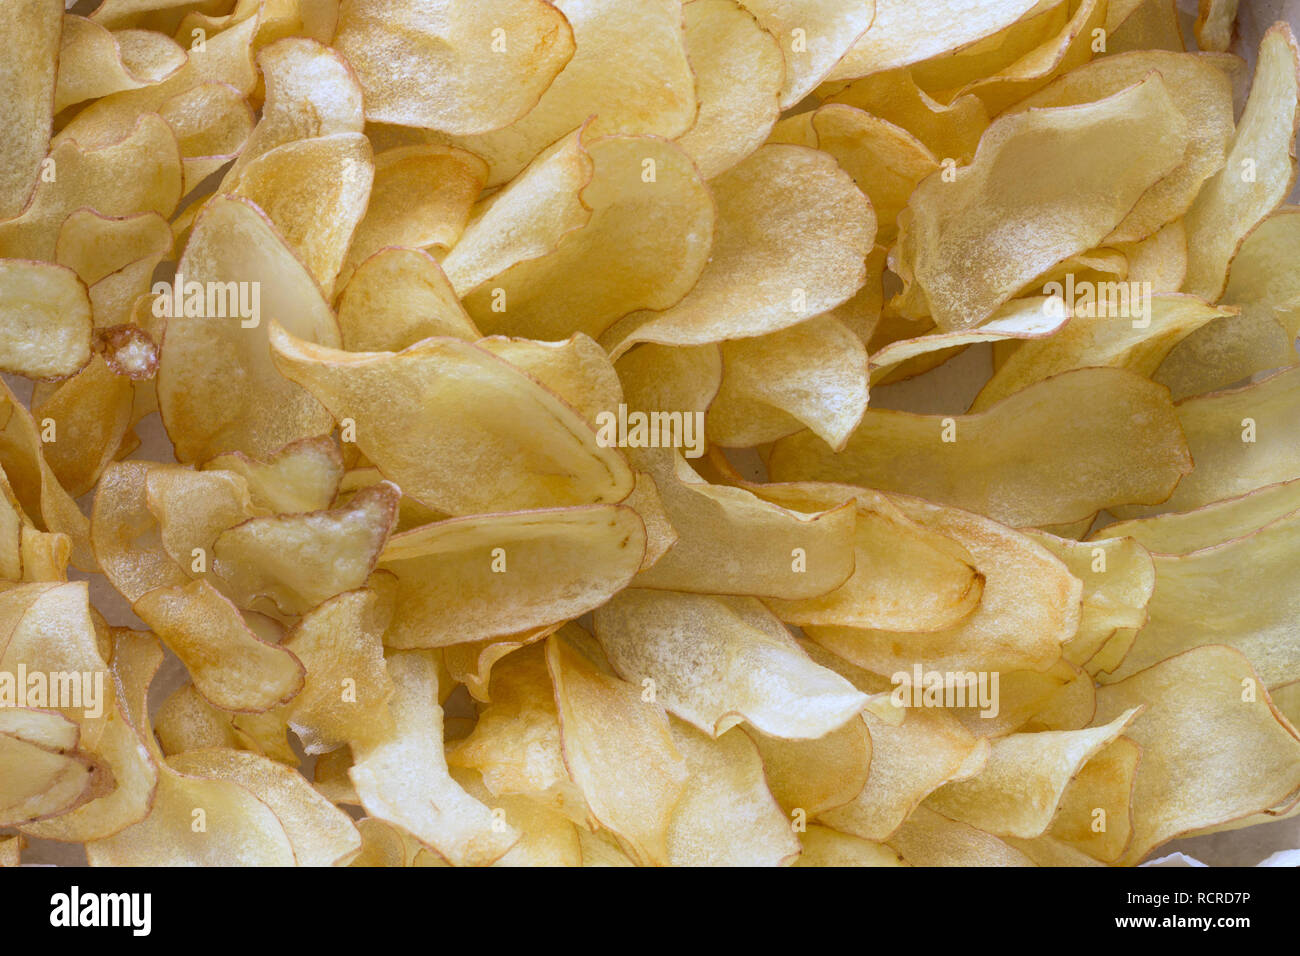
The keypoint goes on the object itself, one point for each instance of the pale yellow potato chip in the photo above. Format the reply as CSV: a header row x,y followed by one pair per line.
x,y
823,846
1214,19
1182,785
91,413
792,232
490,576
966,245
45,319
230,666
716,661
814,36
125,535
1105,784
94,62
931,839
536,451
399,297
212,122
461,68
185,721
809,777
739,72
300,477
237,259
31,29
1086,440
1259,171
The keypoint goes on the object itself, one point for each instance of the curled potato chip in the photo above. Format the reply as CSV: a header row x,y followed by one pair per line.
x,y
618,749
504,426
1240,440
344,697
809,777
192,509
314,191
1182,785
231,667
91,413
814,36
41,782
1212,524
1117,436
300,477
725,44
1104,783
1214,19
1136,338
1020,786
137,170
898,37
94,62
319,833
792,230
546,836
966,246
1234,593
250,283
577,370
300,560
45,319
1259,171
212,122
453,66
823,846
403,777
239,829
185,721
629,71
1262,336
726,815
986,640
489,576
421,198
31,29
928,838
745,665
125,535
399,297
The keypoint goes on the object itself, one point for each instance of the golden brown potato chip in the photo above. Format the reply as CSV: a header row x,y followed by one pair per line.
x,y
1113,438
546,836
212,122
45,319
240,275
91,413
1259,171
792,233
451,438
403,778
31,30
1104,783
230,666
447,65
717,661
489,576
302,476
809,777
185,721
1182,785
1240,440
125,535
739,71
618,749
968,240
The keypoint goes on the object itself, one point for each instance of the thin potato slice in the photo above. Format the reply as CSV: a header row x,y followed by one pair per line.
x,y
45,319
300,477
94,62
822,846
809,777
931,839
31,29
399,297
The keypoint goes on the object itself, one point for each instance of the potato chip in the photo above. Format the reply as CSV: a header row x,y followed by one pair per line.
x,y
298,561
931,839
809,777
792,231
300,477
504,425
231,667
399,297
822,846
1234,593
618,749
810,375
212,122
1121,443
814,36
45,318
94,62
403,778
31,28
629,70
206,345
125,535
645,239
546,837
1104,783
1137,338
1240,440
453,66
1214,21
489,576
1020,787
185,721
739,72
1181,785
966,245
745,665
1259,171
91,413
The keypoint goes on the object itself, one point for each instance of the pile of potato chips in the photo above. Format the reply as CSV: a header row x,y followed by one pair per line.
x,y
529,506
